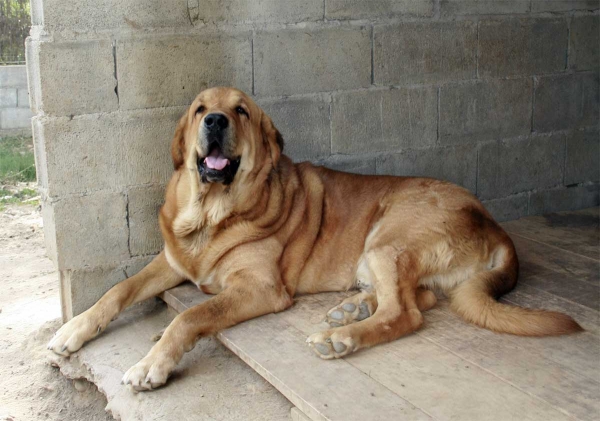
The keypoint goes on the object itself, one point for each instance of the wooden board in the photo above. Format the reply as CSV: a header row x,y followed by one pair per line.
x,y
418,373
323,390
537,258
449,369
577,232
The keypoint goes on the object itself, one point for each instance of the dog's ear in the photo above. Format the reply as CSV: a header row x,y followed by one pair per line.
x,y
178,143
272,138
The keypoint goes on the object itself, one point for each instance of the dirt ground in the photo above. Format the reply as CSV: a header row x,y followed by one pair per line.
x,y
30,388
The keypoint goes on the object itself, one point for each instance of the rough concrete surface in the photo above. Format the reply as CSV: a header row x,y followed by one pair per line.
x,y
418,52
210,383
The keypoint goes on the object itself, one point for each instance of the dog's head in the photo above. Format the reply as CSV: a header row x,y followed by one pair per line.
x,y
223,133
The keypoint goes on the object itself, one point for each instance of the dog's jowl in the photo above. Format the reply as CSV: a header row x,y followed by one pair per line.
x,y
246,224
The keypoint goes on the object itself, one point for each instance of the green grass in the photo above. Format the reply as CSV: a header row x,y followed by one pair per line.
x,y
16,160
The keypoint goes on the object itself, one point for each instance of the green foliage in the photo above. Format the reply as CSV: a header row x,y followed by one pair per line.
x,y
15,22
16,159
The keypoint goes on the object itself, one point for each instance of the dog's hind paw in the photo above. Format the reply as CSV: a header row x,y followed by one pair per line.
x,y
330,344
353,309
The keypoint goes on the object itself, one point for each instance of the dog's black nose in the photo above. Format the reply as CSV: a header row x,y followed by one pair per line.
x,y
216,122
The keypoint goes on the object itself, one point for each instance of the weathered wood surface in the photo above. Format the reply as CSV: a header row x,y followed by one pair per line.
x,y
449,369
578,232
323,390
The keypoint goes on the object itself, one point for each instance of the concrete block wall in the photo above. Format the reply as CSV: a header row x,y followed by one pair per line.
x,y
15,114
501,97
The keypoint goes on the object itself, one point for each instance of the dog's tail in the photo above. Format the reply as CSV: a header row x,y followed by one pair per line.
x,y
475,300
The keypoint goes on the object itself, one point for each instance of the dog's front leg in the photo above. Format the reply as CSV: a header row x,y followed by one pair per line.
x,y
155,278
241,301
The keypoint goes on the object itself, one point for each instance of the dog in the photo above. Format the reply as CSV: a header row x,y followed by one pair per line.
x,y
245,223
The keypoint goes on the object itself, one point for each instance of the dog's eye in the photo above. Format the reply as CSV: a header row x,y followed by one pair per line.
x,y
241,111
200,109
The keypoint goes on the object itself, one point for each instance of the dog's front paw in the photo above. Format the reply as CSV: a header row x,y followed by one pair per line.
x,y
73,334
150,373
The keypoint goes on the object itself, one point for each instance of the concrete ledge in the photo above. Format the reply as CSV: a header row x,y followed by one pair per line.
x,y
209,384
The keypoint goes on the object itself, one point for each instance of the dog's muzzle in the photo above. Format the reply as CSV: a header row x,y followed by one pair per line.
x,y
216,166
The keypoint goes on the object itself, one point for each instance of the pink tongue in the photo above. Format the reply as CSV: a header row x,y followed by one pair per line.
x,y
216,160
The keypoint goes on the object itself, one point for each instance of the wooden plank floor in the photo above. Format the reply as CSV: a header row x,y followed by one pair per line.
x,y
448,370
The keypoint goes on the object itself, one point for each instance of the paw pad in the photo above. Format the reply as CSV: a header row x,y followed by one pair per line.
x,y
347,313
329,345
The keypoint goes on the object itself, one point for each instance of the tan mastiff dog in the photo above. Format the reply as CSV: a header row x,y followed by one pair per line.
x,y
245,223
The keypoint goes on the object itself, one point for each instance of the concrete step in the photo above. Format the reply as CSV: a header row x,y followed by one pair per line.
x,y
210,383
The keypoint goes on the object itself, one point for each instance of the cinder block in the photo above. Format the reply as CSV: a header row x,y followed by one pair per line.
x,y
172,70
585,43
483,7
136,264
82,288
383,120
108,151
90,230
361,9
563,5
566,101
278,11
15,118
23,98
417,52
294,61
143,206
485,110
508,208
13,76
583,158
511,47
304,125
564,199
515,166
92,15
456,164
351,164
77,77
8,97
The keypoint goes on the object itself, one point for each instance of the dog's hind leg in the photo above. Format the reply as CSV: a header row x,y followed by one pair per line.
x,y
363,305
395,278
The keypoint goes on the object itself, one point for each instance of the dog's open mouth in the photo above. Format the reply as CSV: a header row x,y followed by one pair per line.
x,y
217,168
